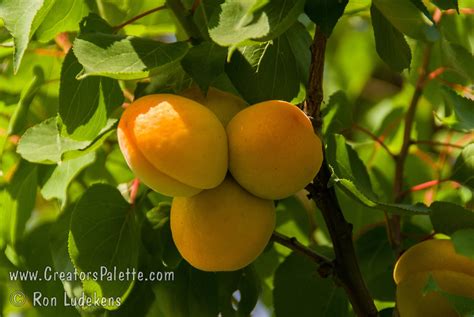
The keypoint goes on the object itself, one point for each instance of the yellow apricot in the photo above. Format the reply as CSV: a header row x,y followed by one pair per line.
x,y
452,272
273,150
174,145
221,229
431,255
412,302
224,105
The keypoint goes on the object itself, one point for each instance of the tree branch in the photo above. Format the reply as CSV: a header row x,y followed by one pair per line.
x,y
436,143
325,264
346,266
315,94
394,221
375,138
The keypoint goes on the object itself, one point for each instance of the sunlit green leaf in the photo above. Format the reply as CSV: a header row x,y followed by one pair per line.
x,y
64,16
58,181
18,16
125,57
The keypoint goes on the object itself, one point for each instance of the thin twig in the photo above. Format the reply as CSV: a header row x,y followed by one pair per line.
x,y
141,15
346,266
423,186
325,264
375,138
134,190
394,221
436,143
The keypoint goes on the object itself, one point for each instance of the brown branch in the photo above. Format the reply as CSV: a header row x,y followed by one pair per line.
x,y
141,15
394,221
346,266
436,143
325,264
375,138
314,99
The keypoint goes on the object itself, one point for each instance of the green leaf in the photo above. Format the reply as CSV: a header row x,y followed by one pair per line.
x,y
462,240
64,16
235,23
93,23
463,305
337,113
246,281
240,20
85,105
204,63
58,245
272,70
191,293
18,16
139,303
17,202
446,4
18,119
159,240
459,58
325,13
250,288
347,164
390,43
35,252
448,218
376,261
43,143
300,291
408,19
463,170
57,183
282,15
350,174
125,57
104,233
461,117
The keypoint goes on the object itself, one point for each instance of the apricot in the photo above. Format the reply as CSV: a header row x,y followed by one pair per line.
x,y
224,105
273,150
175,145
452,272
221,229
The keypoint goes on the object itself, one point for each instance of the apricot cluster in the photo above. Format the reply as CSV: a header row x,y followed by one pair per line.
x,y
436,259
183,146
